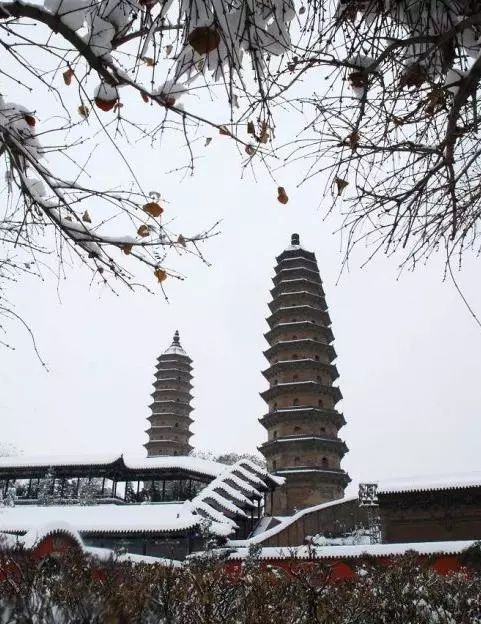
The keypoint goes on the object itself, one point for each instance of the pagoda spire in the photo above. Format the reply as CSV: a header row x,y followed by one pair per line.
x,y
302,422
169,431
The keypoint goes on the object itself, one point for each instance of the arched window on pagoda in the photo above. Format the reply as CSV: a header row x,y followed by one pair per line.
x,y
320,403
296,461
316,357
297,429
295,377
294,356
324,462
295,402
275,434
274,465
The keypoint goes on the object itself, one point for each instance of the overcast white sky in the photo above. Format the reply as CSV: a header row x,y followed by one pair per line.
x,y
408,351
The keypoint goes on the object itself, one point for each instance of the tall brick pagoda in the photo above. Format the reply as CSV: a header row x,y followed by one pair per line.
x,y
169,431
302,421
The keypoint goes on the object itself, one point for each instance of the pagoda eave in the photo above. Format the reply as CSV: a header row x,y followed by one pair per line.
x,y
301,386
296,414
303,472
303,344
282,328
306,363
272,447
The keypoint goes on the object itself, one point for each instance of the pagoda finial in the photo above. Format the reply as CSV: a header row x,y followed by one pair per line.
x,y
176,337
295,239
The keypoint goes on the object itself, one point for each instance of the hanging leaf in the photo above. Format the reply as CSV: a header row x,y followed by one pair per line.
x,y
352,140
282,195
153,209
207,141
149,61
126,248
302,10
341,185
264,135
181,240
168,49
225,131
143,231
83,111
251,129
105,105
67,77
160,274
86,217
250,150
204,39
30,119
145,97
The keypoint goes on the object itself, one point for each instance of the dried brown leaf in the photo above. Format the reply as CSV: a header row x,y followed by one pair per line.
x,y
67,76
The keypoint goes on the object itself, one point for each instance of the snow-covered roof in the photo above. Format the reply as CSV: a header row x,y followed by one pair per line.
x,y
224,499
231,497
105,518
434,482
192,464
175,348
355,551
26,461
35,535
286,521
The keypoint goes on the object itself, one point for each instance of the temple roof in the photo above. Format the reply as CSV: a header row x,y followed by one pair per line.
x,y
235,488
190,464
455,481
356,550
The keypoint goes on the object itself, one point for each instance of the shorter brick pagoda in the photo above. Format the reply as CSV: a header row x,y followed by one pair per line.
x,y
169,432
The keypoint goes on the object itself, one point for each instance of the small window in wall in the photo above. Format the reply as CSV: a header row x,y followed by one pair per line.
x,y
295,402
323,430
294,377
276,382
296,429
176,425
275,434
294,320
319,378
316,357
294,337
320,403
274,465
296,461
324,462
175,452
294,356
275,406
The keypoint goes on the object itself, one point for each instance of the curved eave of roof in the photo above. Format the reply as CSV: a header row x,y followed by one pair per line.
x,y
428,487
274,553
192,464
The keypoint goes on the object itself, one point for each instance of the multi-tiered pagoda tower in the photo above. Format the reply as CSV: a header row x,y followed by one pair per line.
x,y
302,421
169,431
